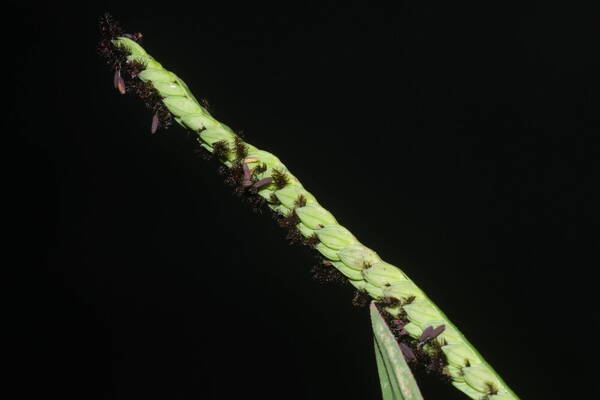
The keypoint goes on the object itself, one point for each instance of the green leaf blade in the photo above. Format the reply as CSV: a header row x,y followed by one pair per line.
x,y
396,379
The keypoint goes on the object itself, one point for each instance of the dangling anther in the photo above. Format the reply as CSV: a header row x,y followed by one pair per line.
x,y
426,335
119,82
154,126
438,331
407,352
251,159
247,181
262,182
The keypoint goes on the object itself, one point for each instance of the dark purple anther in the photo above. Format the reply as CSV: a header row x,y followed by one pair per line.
x,y
426,335
262,182
408,353
437,331
154,126
247,175
119,82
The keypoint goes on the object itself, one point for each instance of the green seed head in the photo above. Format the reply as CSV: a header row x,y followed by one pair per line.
x,y
265,157
156,76
421,311
455,373
169,89
182,106
130,46
327,252
305,230
479,378
147,61
289,194
199,121
373,291
358,256
413,330
281,209
266,194
468,390
501,396
348,272
459,355
450,334
216,134
403,289
382,274
335,236
315,216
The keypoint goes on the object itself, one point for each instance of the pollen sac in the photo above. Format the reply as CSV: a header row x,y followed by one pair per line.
x,y
156,75
154,125
448,333
479,377
119,82
427,334
348,272
314,216
180,105
459,354
438,331
169,89
335,236
217,134
421,311
407,352
262,182
289,194
327,252
403,289
356,256
383,274
430,333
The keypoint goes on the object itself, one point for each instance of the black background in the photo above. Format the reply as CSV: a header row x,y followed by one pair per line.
x,y
459,140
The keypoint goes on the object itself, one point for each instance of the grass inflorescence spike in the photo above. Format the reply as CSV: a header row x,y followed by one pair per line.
x,y
428,339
